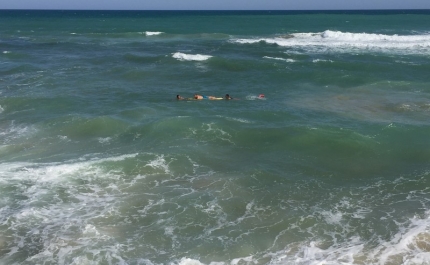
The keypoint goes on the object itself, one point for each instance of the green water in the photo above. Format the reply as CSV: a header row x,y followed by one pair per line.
x,y
100,164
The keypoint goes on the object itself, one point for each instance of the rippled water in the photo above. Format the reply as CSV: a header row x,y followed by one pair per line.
x,y
100,164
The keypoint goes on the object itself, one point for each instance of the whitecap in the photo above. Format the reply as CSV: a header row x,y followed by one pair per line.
x,y
153,33
190,57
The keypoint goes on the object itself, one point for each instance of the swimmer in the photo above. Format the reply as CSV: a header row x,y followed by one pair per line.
x,y
179,97
227,96
197,96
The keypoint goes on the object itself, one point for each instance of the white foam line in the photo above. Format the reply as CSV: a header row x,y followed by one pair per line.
x,y
280,59
53,171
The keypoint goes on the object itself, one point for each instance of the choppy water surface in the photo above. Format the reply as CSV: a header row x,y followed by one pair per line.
x,y
100,164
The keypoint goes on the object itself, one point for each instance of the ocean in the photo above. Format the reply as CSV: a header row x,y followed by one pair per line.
x,y
101,164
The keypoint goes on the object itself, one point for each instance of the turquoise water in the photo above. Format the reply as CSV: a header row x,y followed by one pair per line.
x,y
100,164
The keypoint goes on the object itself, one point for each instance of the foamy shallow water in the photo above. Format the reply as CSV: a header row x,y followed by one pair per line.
x,y
69,210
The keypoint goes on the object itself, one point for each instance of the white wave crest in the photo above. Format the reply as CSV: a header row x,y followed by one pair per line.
x,y
321,60
153,33
348,41
280,59
190,57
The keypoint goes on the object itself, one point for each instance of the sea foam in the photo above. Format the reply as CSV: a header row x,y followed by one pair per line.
x,y
190,57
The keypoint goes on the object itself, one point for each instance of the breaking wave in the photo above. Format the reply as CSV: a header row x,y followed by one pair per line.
x,y
347,41
190,57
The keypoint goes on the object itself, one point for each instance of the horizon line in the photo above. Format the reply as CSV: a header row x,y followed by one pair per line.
x,y
215,10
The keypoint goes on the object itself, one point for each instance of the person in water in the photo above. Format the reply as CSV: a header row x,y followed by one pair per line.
x,y
227,96
179,97
197,96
